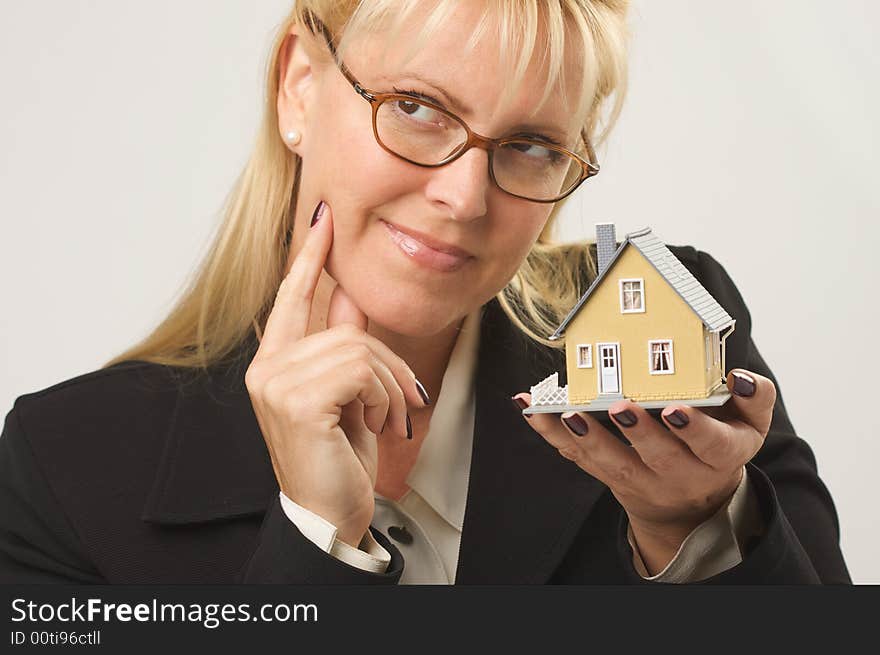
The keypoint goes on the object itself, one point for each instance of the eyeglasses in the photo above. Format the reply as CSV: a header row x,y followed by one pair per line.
x,y
425,134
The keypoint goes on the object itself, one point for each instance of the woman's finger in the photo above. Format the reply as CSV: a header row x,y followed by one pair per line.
x,y
325,395
582,439
318,345
723,445
660,450
754,397
342,309
349,355
289,319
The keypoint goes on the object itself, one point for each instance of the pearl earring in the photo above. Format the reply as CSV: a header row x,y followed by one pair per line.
x,y
293,137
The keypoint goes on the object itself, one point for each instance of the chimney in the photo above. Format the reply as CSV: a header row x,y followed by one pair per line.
x,y
606,245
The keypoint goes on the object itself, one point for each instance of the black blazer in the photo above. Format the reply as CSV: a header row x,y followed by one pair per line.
x,y
141,473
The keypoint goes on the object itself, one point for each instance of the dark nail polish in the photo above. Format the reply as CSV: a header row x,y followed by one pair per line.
x,y
677,419
408,427
319,211
743,385
519,403
423,393
576,424
626,418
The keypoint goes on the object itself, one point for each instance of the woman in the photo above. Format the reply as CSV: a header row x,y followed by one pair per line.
x,y
278,426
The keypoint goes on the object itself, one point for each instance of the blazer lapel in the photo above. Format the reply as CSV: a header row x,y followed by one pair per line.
x,y
525,502
215,463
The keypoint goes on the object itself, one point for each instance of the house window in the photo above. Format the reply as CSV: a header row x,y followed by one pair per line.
x,y
660,357
632,296
585,355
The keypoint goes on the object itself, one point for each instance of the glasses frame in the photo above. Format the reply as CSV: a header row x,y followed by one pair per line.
x,y
474,140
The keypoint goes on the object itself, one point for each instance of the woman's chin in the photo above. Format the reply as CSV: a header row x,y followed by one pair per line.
x,y
414,319
403,306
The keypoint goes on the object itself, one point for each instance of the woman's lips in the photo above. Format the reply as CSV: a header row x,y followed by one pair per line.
x,y
425,255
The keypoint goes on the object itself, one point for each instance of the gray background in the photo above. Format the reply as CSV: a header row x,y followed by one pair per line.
x,y
750,132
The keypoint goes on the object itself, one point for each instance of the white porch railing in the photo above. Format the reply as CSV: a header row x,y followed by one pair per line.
x,y
548,392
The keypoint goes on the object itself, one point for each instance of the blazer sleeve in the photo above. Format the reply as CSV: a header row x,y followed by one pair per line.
x,y
284,555
37,542
800,541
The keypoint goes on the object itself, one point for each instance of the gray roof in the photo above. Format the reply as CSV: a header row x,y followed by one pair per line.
x,y
672,270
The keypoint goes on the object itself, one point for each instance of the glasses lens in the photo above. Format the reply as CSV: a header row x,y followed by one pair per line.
x,y
418,132
529,169
428,136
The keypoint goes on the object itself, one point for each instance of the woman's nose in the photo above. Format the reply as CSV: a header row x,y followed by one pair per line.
x,y
462,185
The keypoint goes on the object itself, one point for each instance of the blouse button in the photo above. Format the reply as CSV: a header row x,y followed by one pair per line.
x,y
400,534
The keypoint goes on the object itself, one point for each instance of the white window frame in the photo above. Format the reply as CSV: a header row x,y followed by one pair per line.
x,y
589,351
651,358
641,282
716,348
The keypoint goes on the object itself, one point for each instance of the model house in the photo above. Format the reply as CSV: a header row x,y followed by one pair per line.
x,y
645,330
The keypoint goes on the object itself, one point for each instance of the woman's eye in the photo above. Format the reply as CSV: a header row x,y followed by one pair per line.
x,y
534,151
418,111
408,107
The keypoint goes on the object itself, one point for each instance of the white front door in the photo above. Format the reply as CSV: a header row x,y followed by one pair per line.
x,y
609,370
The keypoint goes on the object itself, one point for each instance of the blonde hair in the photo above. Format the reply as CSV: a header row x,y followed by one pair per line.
x,y
236,282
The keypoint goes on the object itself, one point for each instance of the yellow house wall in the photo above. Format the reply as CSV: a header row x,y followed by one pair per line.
x,y
666,316
713,371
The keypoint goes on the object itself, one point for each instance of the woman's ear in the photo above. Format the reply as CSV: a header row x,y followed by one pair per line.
x,y
296,86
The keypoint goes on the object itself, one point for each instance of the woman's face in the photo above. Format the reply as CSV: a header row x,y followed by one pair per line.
x,y
384,208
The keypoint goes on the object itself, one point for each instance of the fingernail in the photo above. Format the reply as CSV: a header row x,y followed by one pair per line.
x,y
626,418
408,427
423,393
575,423
519,403
677,419
319,211
743,385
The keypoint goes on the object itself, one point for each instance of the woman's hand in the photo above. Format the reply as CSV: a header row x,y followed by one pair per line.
x,y
321,399
677,474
